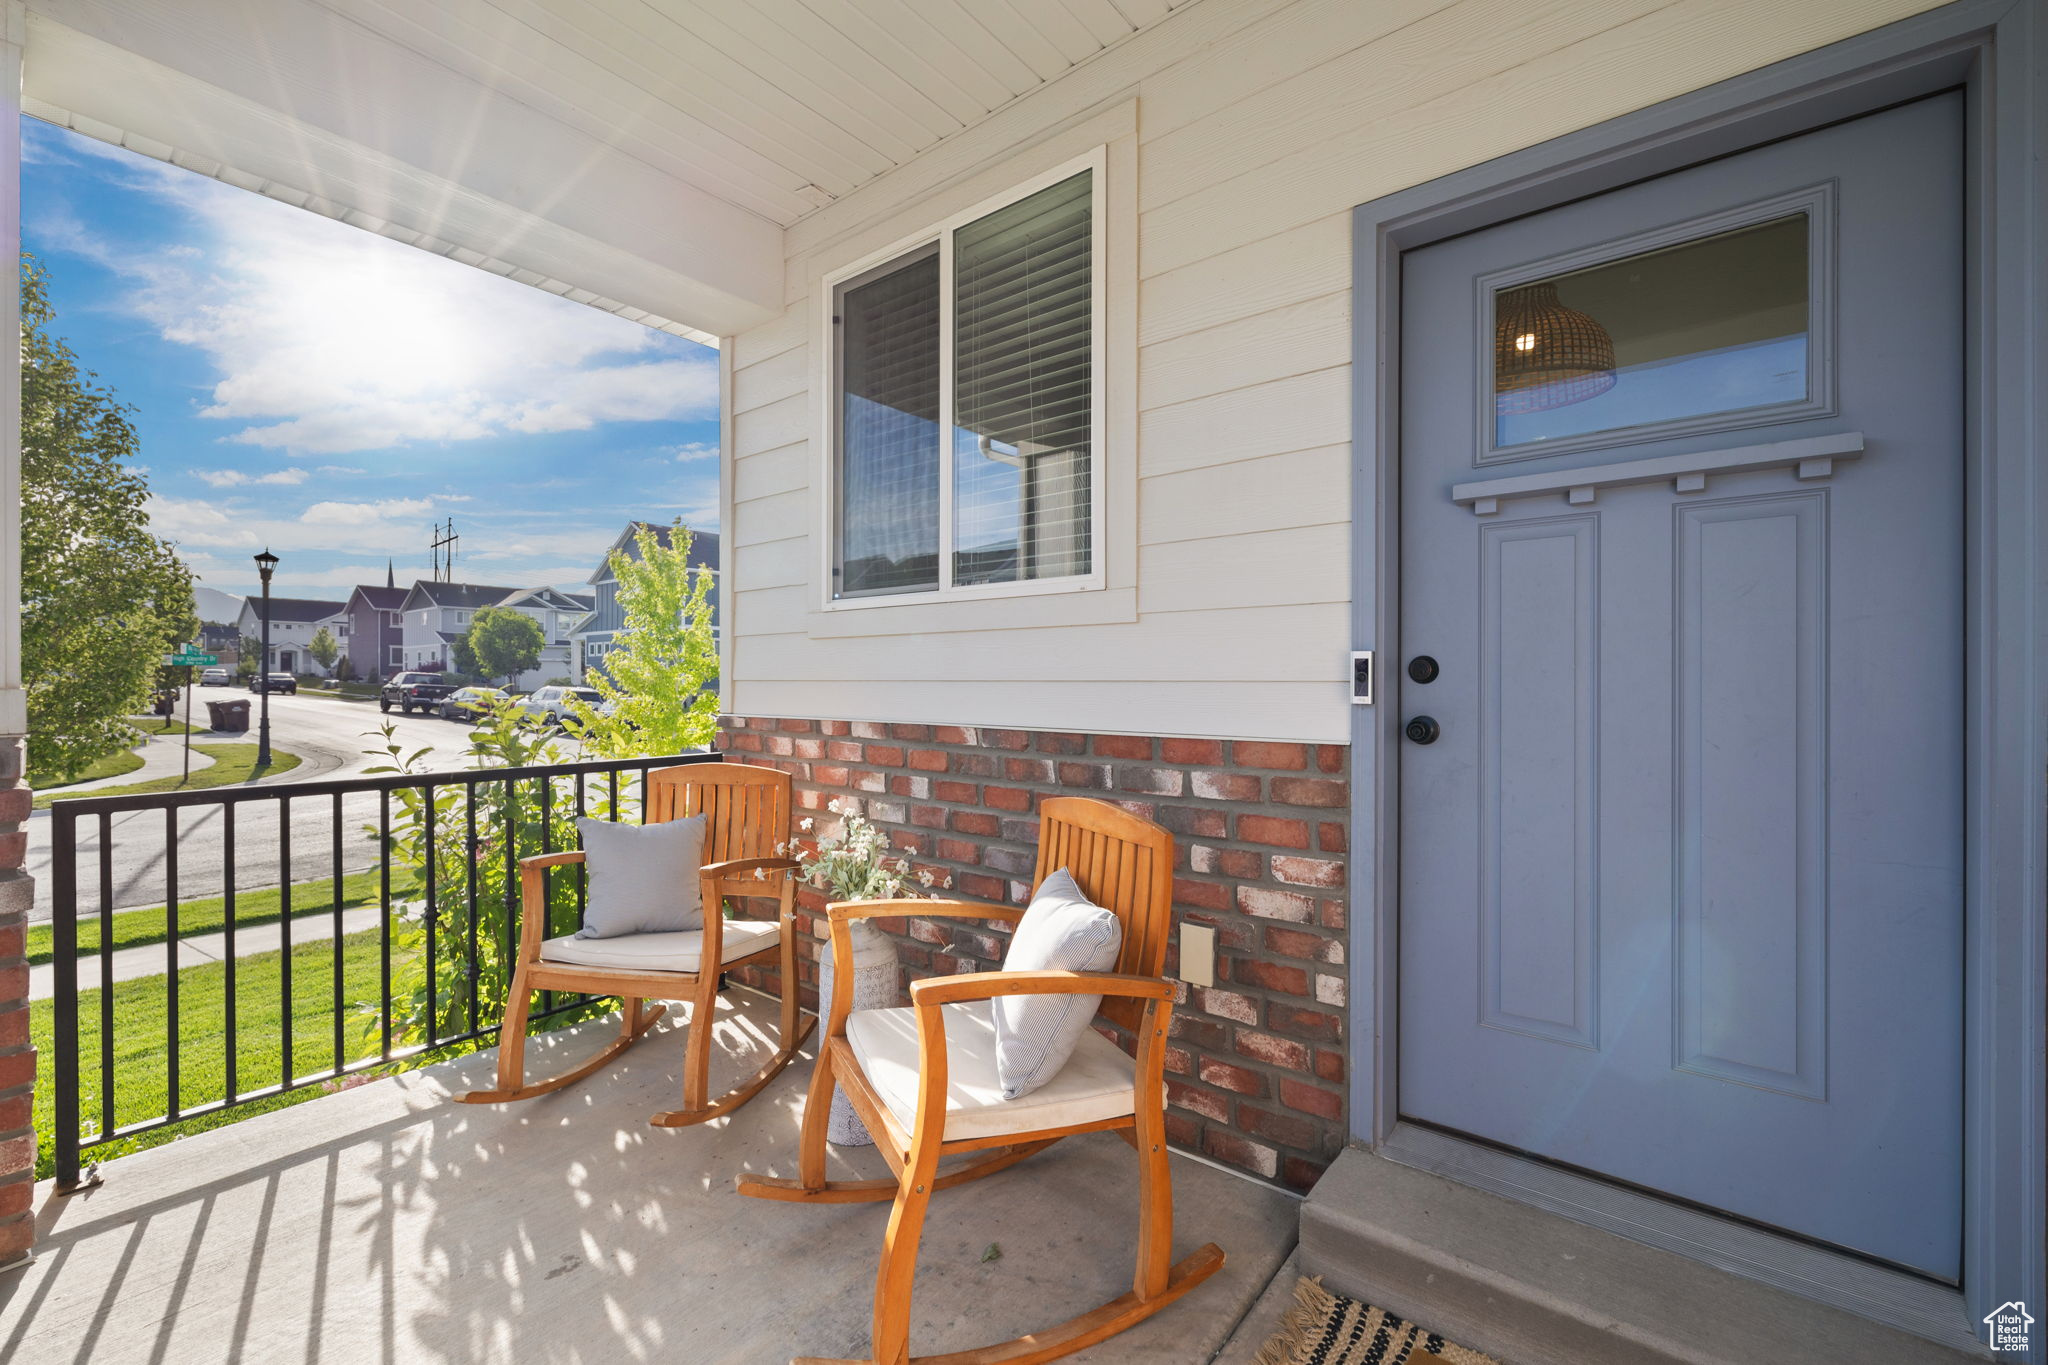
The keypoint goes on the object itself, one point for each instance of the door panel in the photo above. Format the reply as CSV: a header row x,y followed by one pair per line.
x,y
1681,895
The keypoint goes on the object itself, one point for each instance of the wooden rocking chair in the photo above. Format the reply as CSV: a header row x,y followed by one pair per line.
x,y
747,823
923,1078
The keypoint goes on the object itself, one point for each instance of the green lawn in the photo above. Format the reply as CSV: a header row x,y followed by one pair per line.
x,y
139,928
113,765
232,763
164,725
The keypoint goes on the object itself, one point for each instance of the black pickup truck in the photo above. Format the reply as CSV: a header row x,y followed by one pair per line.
x,y
414,691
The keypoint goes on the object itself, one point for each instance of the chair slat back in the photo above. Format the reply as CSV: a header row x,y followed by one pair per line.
x,y
746,807
1122,862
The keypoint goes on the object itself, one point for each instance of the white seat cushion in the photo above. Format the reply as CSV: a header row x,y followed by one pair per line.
x,y
1098,1081
673,950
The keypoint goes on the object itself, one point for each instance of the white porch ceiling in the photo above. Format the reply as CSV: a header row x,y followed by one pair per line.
x,y
640,155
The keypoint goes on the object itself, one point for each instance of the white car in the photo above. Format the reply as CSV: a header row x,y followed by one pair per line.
x,y
550,705
214,677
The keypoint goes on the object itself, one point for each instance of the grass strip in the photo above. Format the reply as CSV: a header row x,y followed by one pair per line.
x,y
232,763
113,765
141,928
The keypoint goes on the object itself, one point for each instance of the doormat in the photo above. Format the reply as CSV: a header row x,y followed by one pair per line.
x,y
1328,1329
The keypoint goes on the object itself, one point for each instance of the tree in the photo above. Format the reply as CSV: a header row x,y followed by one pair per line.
x,y
502,643
102,600
659,675
324,648
247,653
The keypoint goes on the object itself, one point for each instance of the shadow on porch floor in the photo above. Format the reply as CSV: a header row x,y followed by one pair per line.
x,y
387,1223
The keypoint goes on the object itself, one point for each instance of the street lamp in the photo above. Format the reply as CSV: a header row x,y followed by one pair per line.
x,y
265,563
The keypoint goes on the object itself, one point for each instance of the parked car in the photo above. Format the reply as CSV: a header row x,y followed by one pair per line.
x,y
471,703
214,677
274,682
550,705
411,692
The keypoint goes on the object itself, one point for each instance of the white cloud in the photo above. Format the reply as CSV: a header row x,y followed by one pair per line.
x,y
697,450
328,339
341,469
235,478
388,526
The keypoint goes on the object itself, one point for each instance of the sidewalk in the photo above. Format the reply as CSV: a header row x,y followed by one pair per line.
x,y
162,756
151,959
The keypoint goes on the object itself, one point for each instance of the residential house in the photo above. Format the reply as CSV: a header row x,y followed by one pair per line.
x,y
294,621
223,641
558,613
1545,501
434,615
376,633
595,633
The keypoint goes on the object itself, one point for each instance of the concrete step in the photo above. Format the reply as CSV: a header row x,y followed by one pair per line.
x,y
1531,1287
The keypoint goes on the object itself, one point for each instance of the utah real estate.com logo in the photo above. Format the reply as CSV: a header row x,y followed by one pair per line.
x,y
2009,1323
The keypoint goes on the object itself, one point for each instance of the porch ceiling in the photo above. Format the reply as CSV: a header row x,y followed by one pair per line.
x,y
389,1221
642,155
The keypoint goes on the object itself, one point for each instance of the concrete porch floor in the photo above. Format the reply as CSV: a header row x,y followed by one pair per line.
x,y
388,1223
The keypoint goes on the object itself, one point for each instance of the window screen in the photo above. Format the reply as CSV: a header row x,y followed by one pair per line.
x,y
1022,396
889,431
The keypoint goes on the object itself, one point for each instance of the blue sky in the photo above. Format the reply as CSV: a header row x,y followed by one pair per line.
x,y
307,385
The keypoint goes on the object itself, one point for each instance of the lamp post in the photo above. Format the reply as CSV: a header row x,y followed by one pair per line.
x,y
265,563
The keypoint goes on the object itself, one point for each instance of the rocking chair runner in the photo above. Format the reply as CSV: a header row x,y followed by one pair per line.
x,y
1122,863
747,812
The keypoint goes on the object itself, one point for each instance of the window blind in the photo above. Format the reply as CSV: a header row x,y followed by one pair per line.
x,y
889,431
1023,396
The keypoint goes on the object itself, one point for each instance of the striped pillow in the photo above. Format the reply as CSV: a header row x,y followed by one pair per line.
x,y
1061,931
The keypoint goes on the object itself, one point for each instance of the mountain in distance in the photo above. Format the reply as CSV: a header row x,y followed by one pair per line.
x,y
215,606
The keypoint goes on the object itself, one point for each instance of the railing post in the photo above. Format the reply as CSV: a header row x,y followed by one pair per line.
x,y
64,1039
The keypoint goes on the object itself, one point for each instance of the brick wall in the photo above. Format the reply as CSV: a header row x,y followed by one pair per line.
x,y
1255,1077
17,1058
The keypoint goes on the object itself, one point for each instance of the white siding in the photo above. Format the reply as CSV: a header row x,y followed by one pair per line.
x,y
1254,128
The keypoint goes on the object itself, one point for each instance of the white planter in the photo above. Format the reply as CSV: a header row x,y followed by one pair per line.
x,y
874,988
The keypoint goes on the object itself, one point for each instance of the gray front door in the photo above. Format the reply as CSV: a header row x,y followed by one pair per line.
x,y
1681,533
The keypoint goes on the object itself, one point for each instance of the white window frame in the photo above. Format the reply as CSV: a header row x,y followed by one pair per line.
x,y
1096,161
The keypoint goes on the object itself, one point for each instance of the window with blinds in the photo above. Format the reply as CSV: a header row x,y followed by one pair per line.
x,y
989,332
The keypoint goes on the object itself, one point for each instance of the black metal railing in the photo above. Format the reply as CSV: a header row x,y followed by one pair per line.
x,y
311,814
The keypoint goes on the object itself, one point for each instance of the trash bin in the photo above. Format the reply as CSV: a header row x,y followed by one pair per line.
x,y
228,717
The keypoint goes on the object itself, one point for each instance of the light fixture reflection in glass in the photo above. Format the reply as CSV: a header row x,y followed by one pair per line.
x,y
1546,354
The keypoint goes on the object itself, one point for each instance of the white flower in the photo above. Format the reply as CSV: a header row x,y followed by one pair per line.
x,y
760,874
807,825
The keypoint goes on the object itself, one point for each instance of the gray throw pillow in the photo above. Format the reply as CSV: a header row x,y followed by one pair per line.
x,y
1061,931
642,878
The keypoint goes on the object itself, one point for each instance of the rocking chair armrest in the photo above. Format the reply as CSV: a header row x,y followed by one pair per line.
x,y
947,990
537,861
844,912
533,899
735,865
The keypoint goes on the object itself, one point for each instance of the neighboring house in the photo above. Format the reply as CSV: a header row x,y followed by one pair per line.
x,y
594,634
376,636
224,641
558,613
434,615
293,623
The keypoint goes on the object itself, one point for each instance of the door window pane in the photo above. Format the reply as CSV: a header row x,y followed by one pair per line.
x,y
1023,325
1710,326
889,431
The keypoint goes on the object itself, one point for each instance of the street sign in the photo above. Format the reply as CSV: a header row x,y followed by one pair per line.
x,y
190,658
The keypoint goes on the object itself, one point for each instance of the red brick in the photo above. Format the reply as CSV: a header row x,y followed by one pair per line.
x,y
16,1238
975,822
928,817
1181,1130
1197,822
1086,776
794,727
1309,791
959,793
1299,1173
1309,1099
1214,786
1312,1024
1006,798
1227,862
780,745
1333,914
18,1153
1307,871
15,803
745,744
1232,1150
1207,895
14,984
15,1113
952,734
1123,746
910,785
1289,1130
1179,1061
846,750
11,942
830,775
974,765
1267,903
1006,739
1250,753
1272,1050
835,727
1060,742
1272,976
13,1028
980,886
931,931
928,760
1228,1076
1027,769
1309,947
1329,1065
1192,750
885,755
1151,781
810,748
1332,758
918,732
1225,1004
1206,1034
16,1197
1267,829
1207,1103
958,851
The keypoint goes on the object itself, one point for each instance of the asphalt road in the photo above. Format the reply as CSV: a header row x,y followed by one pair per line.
x,y
330,738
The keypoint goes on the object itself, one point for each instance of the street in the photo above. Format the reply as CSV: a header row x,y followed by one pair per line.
x,y
329,737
